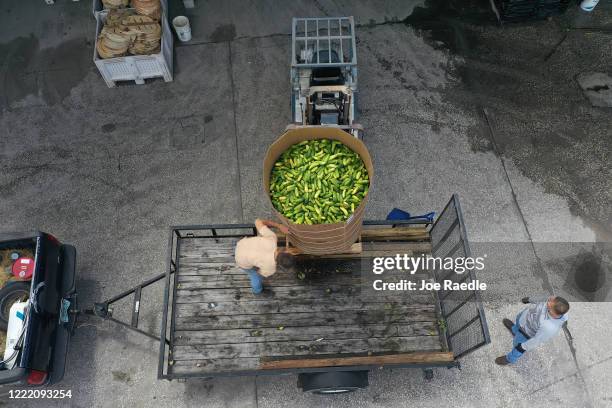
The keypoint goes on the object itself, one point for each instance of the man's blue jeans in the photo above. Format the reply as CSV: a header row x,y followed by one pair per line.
x,y
256,280
514,355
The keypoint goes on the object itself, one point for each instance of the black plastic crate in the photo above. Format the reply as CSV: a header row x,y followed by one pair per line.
x,y
525,10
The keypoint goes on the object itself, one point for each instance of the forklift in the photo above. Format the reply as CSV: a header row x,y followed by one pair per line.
x,y
324,73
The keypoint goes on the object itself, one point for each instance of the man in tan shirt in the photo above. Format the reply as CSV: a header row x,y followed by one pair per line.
x,y
259,256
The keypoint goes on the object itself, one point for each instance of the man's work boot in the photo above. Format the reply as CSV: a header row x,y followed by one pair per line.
x,y
509,324
501,361
265,293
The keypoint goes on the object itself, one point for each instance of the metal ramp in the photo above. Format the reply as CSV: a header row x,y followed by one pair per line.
x,y
462,311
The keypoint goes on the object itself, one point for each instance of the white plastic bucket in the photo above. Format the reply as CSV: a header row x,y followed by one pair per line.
x,y
13,332
182,28
588,5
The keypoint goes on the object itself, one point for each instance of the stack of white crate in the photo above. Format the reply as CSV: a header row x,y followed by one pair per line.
x,y
135,68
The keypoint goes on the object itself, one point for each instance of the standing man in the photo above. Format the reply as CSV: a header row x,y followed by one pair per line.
x,y
535,324
259,256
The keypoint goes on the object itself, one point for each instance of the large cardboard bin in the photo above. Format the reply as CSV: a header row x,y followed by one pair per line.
x,y
319,239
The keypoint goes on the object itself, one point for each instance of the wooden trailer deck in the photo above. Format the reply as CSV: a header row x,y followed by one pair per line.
x,y
319,315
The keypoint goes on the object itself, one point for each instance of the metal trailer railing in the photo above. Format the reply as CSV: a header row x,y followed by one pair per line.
x,y
462,312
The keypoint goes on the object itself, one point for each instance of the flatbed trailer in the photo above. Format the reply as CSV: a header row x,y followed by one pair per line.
x,y
318,321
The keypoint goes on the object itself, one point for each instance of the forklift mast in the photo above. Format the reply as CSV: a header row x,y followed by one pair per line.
x,y
324,73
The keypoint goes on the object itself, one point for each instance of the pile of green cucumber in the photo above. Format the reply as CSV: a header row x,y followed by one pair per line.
x,y
318,182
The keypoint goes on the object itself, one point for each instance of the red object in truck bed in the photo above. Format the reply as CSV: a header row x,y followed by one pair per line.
x,y
23,268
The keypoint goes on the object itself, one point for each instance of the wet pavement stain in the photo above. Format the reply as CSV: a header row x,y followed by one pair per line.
x,y
108,127
225,32
48,73
586,274
440,20
532,98
122,376
589,276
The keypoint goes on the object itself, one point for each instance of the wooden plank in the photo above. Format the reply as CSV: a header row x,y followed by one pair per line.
x,y
299,319
364,254
398,247
309,266
186,295
325,270
232,280
242,281
394,234
357,251
200,260
254,363
354,250
209,242
281,306
219,365
278,280
386,234
209,256
409,358
306,348
311,270
310,333
214,256
228,248
209,268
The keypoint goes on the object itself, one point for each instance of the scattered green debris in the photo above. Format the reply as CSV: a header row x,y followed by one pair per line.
x,y
301,275
281,327
442,325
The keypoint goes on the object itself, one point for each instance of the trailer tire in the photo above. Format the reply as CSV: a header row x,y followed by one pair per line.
x,y
9,294
333,382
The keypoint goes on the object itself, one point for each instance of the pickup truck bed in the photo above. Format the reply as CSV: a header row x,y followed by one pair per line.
x,y
323,310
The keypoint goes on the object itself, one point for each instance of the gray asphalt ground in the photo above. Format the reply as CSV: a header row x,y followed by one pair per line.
x,y
491,113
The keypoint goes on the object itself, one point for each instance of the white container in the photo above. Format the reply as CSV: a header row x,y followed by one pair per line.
x,y
136,68
588,5
182,28
13,332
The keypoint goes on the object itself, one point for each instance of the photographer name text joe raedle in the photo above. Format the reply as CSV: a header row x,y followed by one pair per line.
x,y
411,264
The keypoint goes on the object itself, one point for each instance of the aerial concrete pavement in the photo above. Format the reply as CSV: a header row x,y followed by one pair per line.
x,y
497,118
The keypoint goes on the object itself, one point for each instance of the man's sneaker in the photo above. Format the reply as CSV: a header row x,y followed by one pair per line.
x,y
509,324
501,361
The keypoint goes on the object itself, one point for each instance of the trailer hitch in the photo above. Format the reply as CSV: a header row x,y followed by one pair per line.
x,y
100,309
104,310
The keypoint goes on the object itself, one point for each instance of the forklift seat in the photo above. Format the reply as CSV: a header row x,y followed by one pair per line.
x,y
326,76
